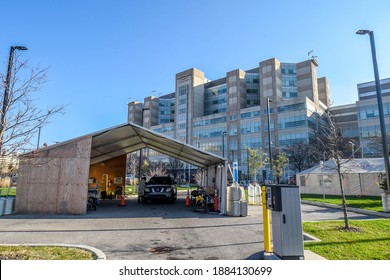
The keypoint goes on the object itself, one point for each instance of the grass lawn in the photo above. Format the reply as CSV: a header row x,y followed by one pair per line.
x,y
130,189
44,253
4,191
370,239
373,203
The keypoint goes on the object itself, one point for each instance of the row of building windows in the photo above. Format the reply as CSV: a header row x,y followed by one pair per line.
x,y
249,115
252,78
209,121
289,69
251,127
292,122
372,131
292,138
292,107
209,133
372,111
253,143
164,129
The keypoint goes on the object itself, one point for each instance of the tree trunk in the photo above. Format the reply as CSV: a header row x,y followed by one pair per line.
x,y
344,203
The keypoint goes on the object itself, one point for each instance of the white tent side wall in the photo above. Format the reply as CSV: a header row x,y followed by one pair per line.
x,y
328,184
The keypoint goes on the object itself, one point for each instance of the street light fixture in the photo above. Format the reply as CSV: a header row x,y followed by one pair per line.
x,y
269,139
380,104
6,90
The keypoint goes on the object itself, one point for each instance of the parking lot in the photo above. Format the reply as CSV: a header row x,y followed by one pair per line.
x,y
153,231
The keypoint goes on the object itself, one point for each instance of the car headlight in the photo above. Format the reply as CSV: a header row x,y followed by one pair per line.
x,y
169,189
146,190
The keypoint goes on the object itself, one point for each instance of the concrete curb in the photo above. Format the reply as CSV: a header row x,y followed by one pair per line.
x,y
98,253
356,210
309,255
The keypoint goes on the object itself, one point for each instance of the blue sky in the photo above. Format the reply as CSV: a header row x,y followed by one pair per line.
x,y
102,54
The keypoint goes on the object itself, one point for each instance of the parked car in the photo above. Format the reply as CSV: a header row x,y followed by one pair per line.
x,y
160,188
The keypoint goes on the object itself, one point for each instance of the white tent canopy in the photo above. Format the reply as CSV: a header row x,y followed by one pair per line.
x,y
360,177
129,137
361,165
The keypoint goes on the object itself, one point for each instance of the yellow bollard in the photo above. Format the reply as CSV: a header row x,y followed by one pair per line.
x,y
266,221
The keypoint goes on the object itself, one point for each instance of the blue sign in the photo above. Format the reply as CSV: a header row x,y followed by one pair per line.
x,y
235,171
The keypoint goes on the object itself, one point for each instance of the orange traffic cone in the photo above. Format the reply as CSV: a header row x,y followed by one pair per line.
x,y
216,206
188,202
123,202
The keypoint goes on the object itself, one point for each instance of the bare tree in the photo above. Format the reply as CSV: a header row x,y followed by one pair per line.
x,y
336,145
22,118
174,165
299,155
198,177
132,165
157,168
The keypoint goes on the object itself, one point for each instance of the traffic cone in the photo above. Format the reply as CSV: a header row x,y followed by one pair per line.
x,y
188,202
123,202
216,206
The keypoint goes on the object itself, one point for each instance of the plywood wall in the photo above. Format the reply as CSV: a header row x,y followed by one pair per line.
x,y
55,181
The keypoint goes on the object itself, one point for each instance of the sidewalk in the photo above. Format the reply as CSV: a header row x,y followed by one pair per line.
x,y
356,210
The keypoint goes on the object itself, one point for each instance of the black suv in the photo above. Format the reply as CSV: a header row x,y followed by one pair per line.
x,y
160,188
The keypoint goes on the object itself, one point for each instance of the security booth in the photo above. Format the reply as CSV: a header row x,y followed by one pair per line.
x,y
284,201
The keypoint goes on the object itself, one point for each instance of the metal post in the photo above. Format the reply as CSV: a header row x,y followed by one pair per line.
x,y
223,143
247,163
380,104
269,140
39,136
266,221
353,149
140,151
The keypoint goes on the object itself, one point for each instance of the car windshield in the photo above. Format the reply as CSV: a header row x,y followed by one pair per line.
x,y
160,181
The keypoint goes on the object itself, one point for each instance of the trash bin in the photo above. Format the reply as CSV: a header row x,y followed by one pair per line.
x,y
9,205
2,203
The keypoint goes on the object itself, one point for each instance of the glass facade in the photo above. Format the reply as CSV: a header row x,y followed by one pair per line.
x,y
215,100
289,80
205,111
252,89
166,110
182,113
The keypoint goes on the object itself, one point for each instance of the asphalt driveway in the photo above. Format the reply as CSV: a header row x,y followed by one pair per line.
x,y
153,231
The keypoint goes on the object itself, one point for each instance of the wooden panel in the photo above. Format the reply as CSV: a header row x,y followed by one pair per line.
x,y
73,182
37,186
55,181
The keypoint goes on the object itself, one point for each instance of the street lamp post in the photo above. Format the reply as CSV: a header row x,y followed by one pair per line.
x,y
223,143
269,139
6,90
39,136
140,151
380,104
